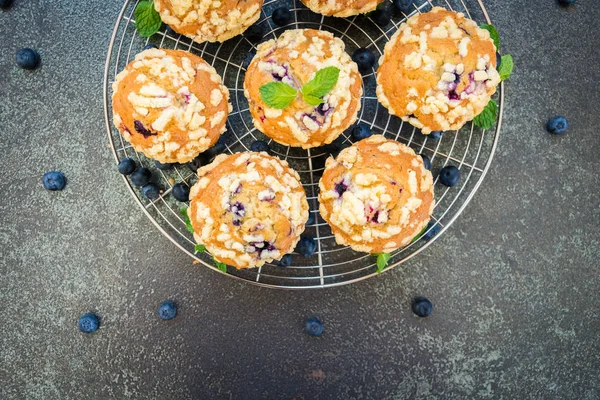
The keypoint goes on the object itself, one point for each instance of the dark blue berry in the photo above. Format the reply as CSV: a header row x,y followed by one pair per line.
x,y
199,161
259,145
404,5
361,131
217,149
383,14
566,2
167,310
248,59
421,307
311,218
254,33
436,135
88,323
306,246
150,46
557,125
171,32
426,161
285,261
151,191
313,326
449,175
281,16
162,166
54,180
181,191
431,230
141,176
364,59
126,166
498,60
4,4
28,58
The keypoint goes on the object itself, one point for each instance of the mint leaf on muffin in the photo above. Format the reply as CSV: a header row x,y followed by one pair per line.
x,y
220,266
493,34
324,80
147,19
186,219
487,117
199,248
277,94
382,261
506,66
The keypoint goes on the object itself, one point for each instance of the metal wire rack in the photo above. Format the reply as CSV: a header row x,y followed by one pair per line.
x,y
471,149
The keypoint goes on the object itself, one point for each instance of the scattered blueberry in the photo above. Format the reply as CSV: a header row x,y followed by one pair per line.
x,y
426,161
557,125
361,131
27,58
313,326
306,246
198,162
254,33
54,180
167,310
566,2
150,46
404,5
259,145
436,135
383,14
285,261
151,191
141,176
421,307
162,166
281,16
88,323
248,59
498,60
431,230
126,166
217,149
171,32
181,191
311,218
364,58
449,175
4,4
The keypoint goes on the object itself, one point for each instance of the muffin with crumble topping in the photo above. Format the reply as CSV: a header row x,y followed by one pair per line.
x,y
438,71
294,59
376,195
341,8
248,209
170,105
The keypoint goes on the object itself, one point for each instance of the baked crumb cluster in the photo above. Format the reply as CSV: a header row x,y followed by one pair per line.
x,y
248,209
294,58
376,195
438,71
209,20
170,105
341,8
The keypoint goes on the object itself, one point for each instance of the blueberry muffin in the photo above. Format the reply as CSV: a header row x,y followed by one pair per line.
x,y
438,71
376,195
294,58
208,20
170,105
341,8
248,209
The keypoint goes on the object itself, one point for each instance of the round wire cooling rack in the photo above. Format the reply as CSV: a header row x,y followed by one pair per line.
x,y
471,149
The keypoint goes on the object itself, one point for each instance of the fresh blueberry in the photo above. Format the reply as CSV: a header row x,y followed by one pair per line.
x,y
259,145
5,3
181,191
254,33
313,326
88,323
311,218
126,166
141,176
426,161
281,16
198,162
566,2
431,230
557,125
498,60
285,261
364,58
171,32
449,175
162,166
217,149
151,191
436,135
306,246
167,310
361,131
150,46
421,306
404,5
248,59
383,14
27,58
54,180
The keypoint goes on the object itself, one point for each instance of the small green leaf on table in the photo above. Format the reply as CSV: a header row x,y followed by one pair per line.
x,y
382,261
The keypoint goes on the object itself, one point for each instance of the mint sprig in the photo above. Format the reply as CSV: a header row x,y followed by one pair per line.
x,y
199,248
186,219
147,19
493,34
382,261
487,117
220,266
506,66
277,94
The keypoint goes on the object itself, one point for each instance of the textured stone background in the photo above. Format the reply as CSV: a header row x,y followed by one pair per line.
x,y
515,280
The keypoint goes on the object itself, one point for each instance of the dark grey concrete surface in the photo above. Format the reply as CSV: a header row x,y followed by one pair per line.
x,y
515,281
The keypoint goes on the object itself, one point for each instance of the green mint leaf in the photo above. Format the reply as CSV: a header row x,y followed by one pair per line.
x,y
220,266
324,80
382,261
147,19
493,34
199,248
186,219
313,100
277,94
487,117
506,66
419,234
